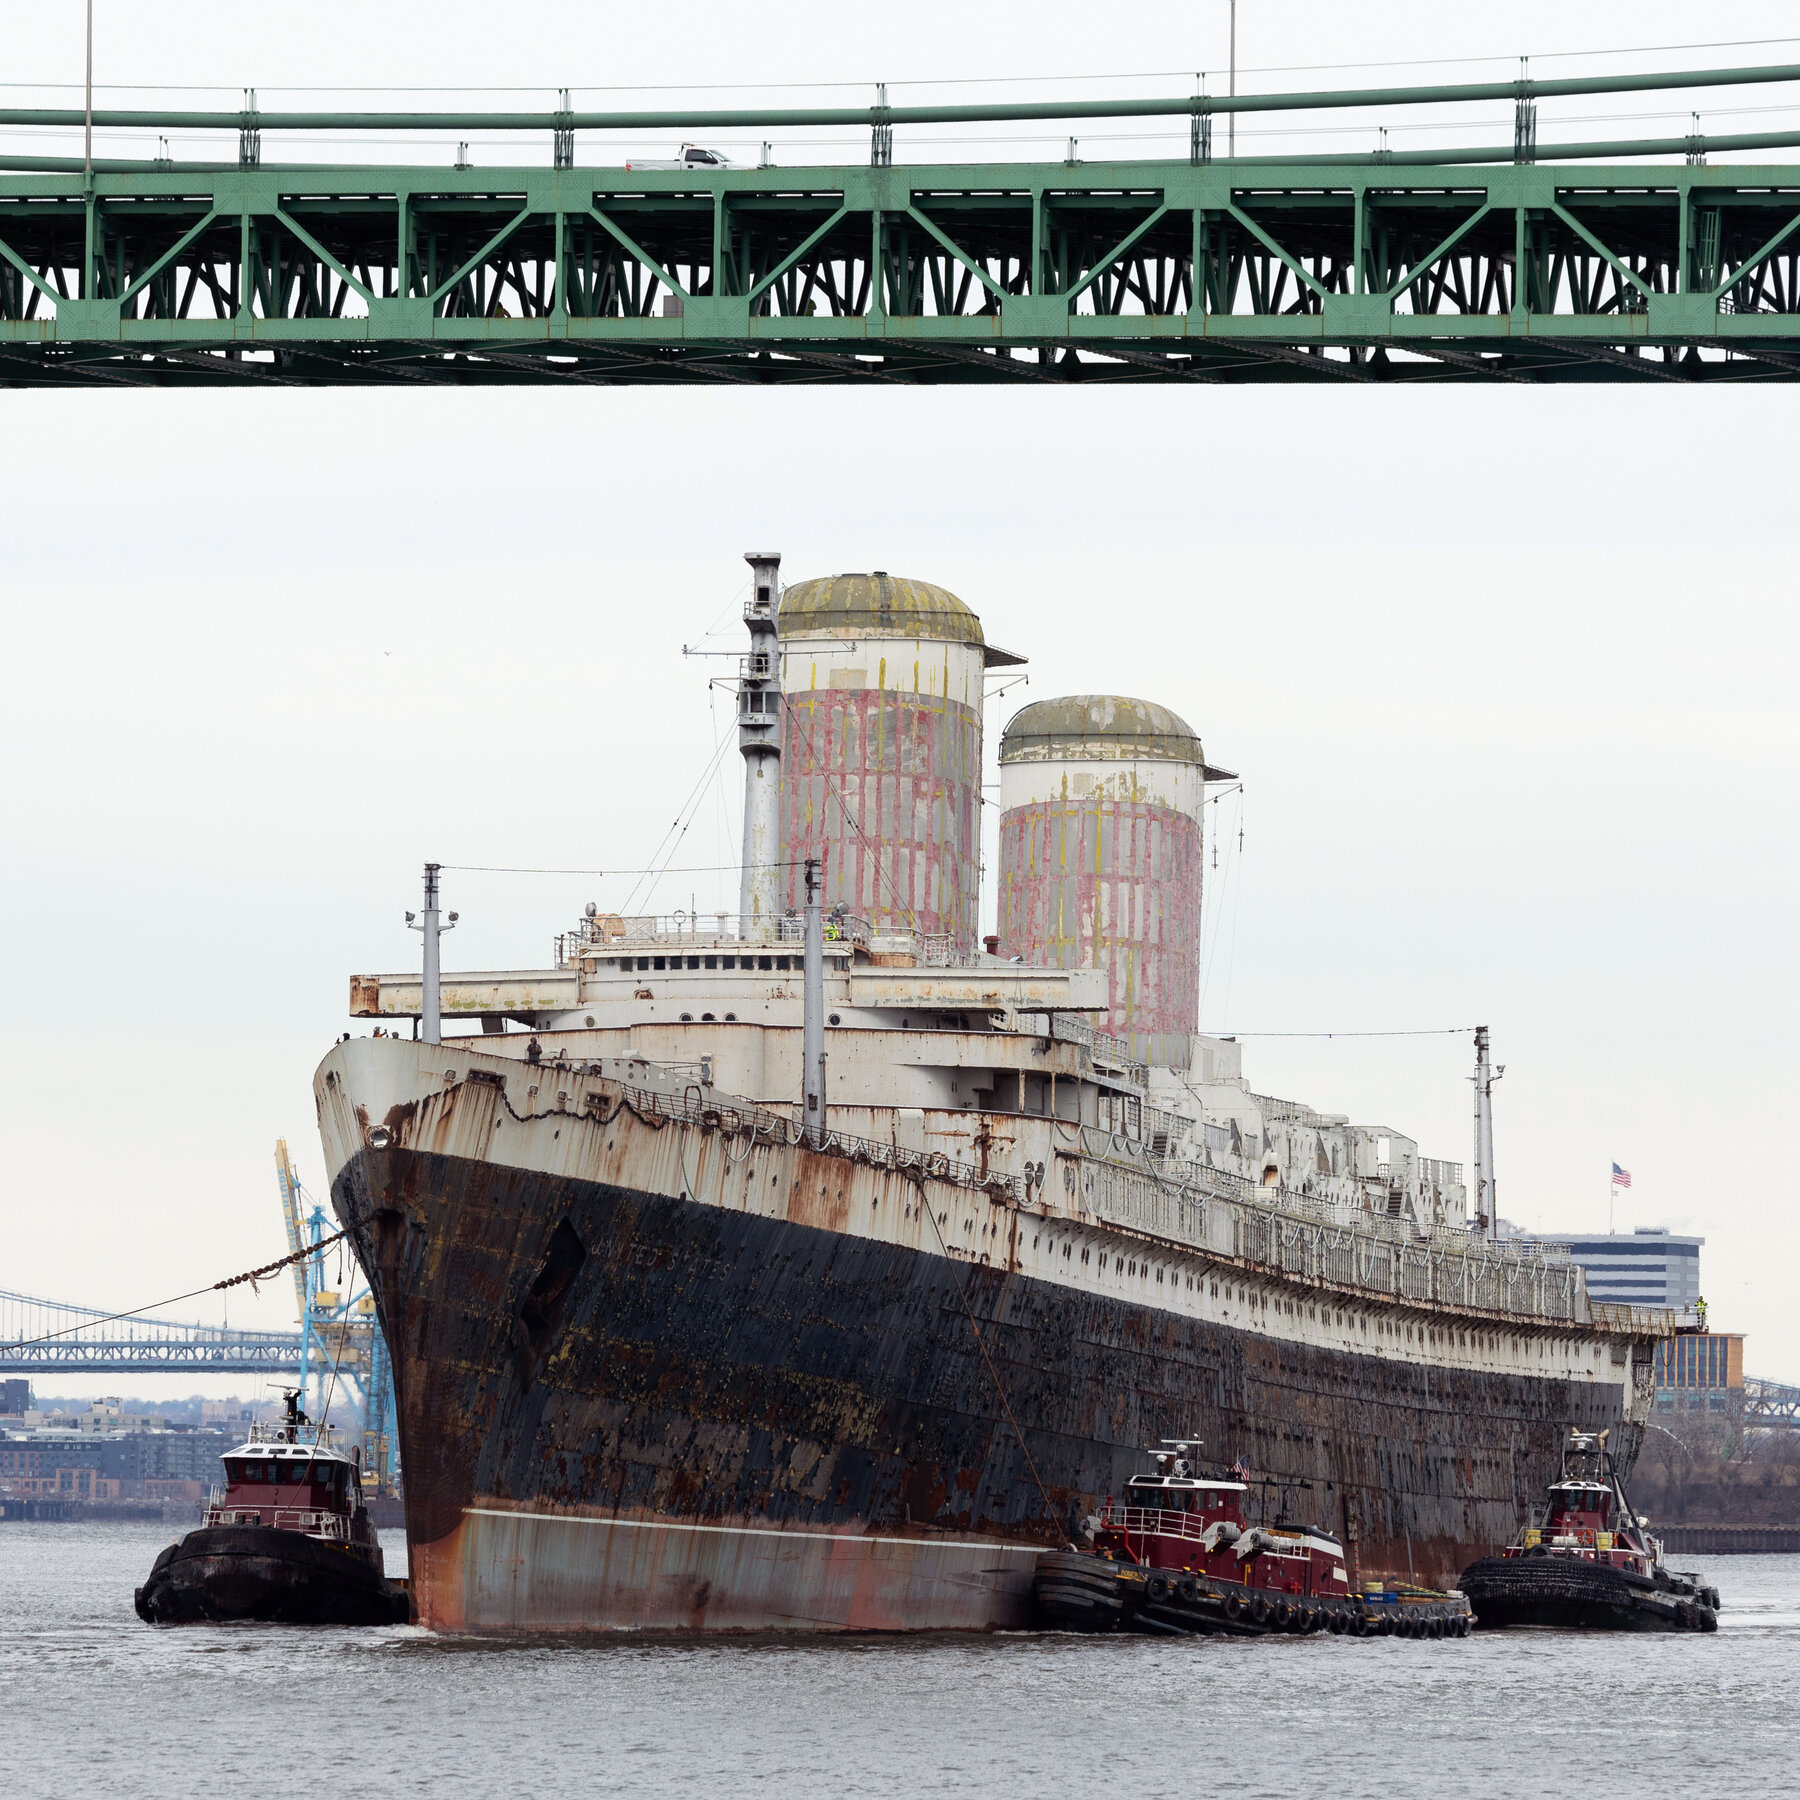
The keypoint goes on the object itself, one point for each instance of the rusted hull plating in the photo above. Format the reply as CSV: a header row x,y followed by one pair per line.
x,y
516,1570
570,1350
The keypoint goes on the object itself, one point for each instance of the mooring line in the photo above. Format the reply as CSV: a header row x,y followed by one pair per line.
x,y
229,1282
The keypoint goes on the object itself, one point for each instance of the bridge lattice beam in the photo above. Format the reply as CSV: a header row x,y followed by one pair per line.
x,y
1078,272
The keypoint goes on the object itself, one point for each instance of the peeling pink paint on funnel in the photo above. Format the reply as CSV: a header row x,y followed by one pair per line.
x,y
881,750
1100,858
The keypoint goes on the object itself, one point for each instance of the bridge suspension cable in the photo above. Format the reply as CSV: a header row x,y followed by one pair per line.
x,y
159,1339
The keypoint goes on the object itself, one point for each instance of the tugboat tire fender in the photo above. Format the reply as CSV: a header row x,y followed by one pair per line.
x,y
1234,1607
1259,1610
1189,1589
1157,1588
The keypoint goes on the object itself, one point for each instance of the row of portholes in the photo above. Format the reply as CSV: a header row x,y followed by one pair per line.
x,y
705,1019
1248,1297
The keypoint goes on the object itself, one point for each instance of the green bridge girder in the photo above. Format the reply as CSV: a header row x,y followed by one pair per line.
x,y
1114,271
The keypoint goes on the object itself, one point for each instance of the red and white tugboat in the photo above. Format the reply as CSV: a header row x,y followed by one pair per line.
x,y
289,1542
1178,1555
1585,1559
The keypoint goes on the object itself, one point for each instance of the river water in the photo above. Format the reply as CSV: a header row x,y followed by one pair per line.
x,y
95,1702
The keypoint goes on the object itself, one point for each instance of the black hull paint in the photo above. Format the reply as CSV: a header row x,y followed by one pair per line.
x,y
1078,1591
1572,1593
573,1346
225,1573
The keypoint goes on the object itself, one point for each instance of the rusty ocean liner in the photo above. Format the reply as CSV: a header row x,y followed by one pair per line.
x,y
822,1266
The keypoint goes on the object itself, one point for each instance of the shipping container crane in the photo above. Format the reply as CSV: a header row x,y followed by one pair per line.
x,y
343,1355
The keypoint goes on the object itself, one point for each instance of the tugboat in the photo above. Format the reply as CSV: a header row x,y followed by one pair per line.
x,y
289,1542
1585,1559
1178,1556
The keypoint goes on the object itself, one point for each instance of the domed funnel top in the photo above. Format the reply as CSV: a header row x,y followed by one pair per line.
x,y
875,606
1098,728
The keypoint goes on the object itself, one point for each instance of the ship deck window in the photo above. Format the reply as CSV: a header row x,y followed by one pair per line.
x,y
643,962
661,962
765,962
712,962
693,962
727,962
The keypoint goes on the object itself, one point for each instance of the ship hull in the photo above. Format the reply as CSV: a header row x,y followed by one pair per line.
x,y
525,1570
225,1573
624,1408
1572,1593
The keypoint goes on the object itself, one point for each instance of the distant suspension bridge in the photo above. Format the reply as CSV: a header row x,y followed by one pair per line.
x,y
338,1348
39,1337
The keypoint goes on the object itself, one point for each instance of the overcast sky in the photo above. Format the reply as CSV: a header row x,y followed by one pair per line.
x,y
1508,673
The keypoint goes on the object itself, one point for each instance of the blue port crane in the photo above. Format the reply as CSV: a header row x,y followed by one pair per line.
x,y
343,1354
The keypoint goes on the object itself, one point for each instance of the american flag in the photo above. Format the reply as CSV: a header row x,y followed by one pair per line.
x,y
1621,1177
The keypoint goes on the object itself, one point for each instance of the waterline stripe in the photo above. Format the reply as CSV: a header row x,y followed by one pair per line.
x,y
814,1537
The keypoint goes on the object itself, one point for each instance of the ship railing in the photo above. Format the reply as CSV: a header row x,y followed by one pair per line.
x,y
1315,1241
929,949
607,933
1291,1112
1148,1521
1115,1053
1640,1321
1061,1028
1105,1050
694,1107
313,1522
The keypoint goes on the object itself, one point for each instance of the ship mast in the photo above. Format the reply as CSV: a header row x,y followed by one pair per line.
x,y
812,1036
1487,1206
430,1014
759,738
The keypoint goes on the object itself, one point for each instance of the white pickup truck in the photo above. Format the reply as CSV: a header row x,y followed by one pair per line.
x,y
692,156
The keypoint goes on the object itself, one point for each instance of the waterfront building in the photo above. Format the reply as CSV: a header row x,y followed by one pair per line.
x,y
1700,1371
112,1465
1646,1267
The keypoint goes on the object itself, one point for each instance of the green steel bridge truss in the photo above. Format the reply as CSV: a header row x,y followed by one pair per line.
x,y
1364,270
